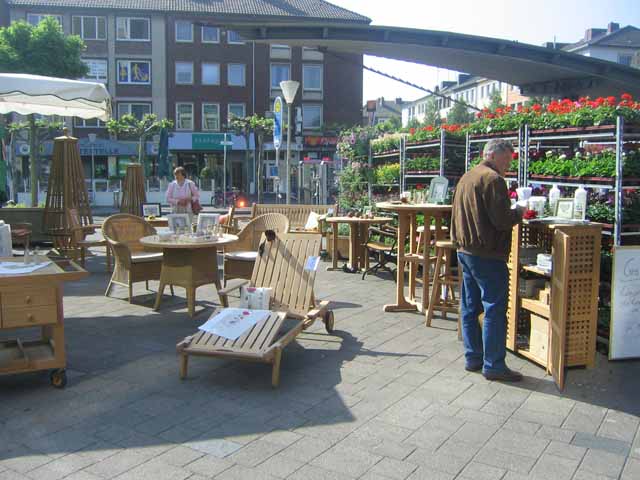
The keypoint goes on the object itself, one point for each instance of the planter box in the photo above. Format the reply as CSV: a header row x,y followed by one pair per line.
x,y
34,216
507,133
343,245
576,180
571,130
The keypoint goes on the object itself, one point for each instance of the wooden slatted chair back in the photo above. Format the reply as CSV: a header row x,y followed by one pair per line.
x,y
281,266
77,234
249,237
127,229
297,214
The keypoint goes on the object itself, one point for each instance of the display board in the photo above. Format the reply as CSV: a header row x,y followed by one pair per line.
x,y
625,304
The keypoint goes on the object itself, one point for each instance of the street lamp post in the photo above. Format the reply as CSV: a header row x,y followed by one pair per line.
x,y
92,141
225,144
289,90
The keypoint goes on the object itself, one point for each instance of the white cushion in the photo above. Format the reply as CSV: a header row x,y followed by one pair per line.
x,y
242,256
312,221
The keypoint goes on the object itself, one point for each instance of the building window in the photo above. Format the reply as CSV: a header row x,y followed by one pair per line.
x,y
184,31
312,117
234,38
133,29
279,72
210,116
236,74
98,70
210,34
89,28
138,110
472,95
280,51
235,110
137,72
184,116
312,78
184,73
88,123
211,74
35,18
625,59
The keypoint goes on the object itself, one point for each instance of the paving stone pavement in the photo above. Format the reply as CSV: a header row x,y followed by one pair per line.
x,y
384,397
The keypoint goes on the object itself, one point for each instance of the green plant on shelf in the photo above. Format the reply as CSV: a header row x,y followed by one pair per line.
x,y
601,212
421,164
513,166
387,174
386,143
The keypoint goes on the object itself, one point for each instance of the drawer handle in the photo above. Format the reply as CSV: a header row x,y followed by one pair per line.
x,y
30,317
28,299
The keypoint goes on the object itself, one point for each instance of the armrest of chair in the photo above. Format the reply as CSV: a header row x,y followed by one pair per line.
x,y
237,283
121,252
319,310
22,225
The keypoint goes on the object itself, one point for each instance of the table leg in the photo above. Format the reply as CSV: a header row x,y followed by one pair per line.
x,y
353,247
401,305
364,254
334,241
426,264
413,266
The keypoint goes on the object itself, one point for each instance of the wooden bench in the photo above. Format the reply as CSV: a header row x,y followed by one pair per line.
x,y
297,214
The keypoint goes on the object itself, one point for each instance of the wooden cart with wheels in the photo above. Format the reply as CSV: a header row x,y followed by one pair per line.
x,y
34,300
282,265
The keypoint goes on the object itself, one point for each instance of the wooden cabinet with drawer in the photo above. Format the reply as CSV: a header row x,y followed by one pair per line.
x,y
30,301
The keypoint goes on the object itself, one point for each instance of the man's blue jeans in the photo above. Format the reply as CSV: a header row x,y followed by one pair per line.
x,y
485,287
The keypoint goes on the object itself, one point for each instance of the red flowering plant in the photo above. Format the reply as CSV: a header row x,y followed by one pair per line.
x,y
559,114
432,132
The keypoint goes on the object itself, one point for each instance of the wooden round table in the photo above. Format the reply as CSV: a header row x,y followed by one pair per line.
x,y
188,265
358,227
417,254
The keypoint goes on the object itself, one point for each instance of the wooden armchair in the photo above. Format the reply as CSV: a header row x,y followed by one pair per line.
x,y
229,224
240,256
78,242
133,263
21,234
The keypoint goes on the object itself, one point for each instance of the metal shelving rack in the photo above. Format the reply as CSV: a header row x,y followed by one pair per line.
x,y
516,138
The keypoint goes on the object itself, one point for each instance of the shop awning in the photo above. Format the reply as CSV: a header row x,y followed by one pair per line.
x,y
34,94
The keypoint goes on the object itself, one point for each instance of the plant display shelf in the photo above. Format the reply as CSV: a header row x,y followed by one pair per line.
x,y
617,135
30,301
473,142
568,338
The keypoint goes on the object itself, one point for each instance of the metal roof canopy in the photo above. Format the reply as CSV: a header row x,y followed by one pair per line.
x,y
536,70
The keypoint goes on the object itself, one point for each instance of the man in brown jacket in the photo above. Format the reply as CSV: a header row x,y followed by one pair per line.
x,y
481,224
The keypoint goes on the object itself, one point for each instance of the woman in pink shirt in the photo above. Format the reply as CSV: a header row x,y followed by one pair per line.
x,y
181,193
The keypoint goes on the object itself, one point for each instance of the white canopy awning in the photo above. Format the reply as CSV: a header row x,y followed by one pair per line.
x,y
27,94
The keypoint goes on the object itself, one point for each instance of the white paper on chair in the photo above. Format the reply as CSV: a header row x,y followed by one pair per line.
x,y
232,323
19,268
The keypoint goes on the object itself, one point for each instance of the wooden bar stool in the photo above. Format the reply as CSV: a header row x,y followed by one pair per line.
x,y
444,276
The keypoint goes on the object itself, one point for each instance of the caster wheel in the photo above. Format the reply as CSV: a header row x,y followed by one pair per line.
x,y
329,321
58,378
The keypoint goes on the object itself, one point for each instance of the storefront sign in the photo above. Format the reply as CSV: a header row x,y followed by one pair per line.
x,y
317,141
104,147
208,141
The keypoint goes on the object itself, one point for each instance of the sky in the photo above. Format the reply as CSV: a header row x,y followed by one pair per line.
x,y
533,22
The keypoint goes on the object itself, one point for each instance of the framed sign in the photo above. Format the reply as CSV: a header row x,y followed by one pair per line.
x,y
438,190
564,208
178,220
207,220
151,210
625,304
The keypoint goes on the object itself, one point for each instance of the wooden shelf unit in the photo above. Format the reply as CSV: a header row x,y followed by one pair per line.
x,y
573,310
30,301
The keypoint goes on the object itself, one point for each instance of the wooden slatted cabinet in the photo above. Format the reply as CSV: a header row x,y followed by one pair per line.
x,y
561,332
34,301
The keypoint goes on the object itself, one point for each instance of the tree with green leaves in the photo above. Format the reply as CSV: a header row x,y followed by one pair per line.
x,y
432,112
459,114
43,49
129,126
495,100
260,127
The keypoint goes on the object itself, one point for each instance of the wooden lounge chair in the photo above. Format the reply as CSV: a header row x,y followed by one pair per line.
x,y
240,256
133,263
281,266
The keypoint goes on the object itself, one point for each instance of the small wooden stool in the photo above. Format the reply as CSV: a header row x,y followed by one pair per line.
x,y
444,275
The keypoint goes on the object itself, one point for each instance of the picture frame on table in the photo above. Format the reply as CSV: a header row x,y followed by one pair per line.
x,y
438,190
564,208
206,220
178,220
151,210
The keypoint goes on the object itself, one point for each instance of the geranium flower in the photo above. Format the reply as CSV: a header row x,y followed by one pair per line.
x,y
626,96
611,101
514,155
536,107
412,131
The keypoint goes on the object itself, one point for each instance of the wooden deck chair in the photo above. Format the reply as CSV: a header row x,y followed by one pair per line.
x,y
78,241
281,266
